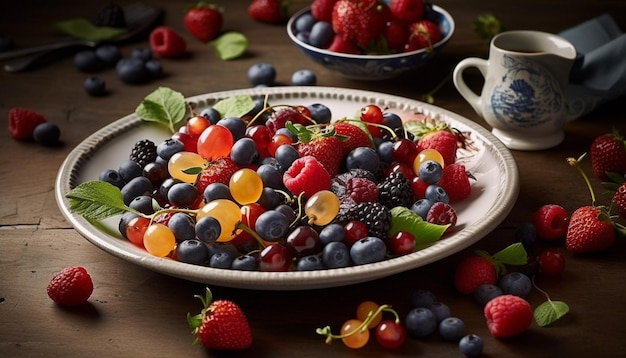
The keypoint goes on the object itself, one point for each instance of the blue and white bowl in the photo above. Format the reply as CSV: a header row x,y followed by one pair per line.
x,y
375,67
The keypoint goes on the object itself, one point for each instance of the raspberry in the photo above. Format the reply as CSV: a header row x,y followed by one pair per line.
x,y
551,222
455,181
306,175
71,287
508,315
473,272
166,42
442,214
362,190
23,121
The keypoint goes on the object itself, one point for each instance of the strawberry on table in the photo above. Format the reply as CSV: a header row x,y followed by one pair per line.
x,y
590,230
204,21
166,42
268,11
221,325
22,122
608,155
71,286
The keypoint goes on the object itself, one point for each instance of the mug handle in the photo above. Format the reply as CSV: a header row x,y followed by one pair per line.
x,y
470,96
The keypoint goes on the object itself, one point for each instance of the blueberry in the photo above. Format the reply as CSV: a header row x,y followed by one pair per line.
x,y
166,185
245,263
182,195
216,191
335,255
131,70
485,293
270,175
47,133
320,113
135,187
385,151
331,233
208,229
421,207
321,34
192,252
235,125
441,310
288,133
420,322
111,176
515,283
471,345
142,53
271,225
436,194
244,151
143,204
154,68
182,226
124,220
303,78
129,169
261,74
286,155
108,54
95,86
169,147
288,211
270,198
225,247
221,260
87,61
363,158
368,250
304,23
211,114
422,298
452,329
430,171
392,121
526,233
309,263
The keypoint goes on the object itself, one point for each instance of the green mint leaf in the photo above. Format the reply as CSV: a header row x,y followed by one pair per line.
x,y
549,312
96,200
164,106
230,45
84,29
403,219
514,254
193,170
236,106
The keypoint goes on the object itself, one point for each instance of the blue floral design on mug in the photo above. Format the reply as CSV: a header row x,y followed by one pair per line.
x,y
527,95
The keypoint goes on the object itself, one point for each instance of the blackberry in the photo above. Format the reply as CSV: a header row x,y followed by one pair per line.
x,y
111,15
374,215
396,190
143,152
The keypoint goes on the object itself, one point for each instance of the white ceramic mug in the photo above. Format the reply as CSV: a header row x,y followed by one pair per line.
x,y
524,93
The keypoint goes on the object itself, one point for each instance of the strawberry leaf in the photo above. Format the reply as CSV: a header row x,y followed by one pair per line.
x,y
96,200
514,254
164,106
425,233
549,312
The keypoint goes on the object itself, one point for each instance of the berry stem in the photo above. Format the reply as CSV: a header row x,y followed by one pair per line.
x,y
252,233
326,331
576,164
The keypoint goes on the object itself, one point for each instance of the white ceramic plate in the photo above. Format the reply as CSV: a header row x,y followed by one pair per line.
x,y
493,194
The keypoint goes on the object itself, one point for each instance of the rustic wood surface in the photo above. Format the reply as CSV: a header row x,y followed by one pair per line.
x,y
136,312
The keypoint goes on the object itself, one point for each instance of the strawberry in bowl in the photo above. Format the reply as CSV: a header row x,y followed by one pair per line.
x,y
371,39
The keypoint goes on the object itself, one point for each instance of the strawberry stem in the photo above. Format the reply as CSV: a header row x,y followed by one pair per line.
x,y
576,164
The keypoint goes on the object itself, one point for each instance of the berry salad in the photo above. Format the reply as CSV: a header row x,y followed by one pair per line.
x,y
251,183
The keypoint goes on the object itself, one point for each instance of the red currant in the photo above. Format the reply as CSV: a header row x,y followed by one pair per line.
x,y
402,243
404,151
135,229
372,114
390,334
196,125
355,231
551,262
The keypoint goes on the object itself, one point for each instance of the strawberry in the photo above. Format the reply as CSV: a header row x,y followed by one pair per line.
x,y
472,272
218,171
221,325
268,11
395,35
359,21
508,315
455,181
407,11
166,42
342,46
307,176
71,287
441,138
590,229
424,34
322,10
204,21
22,122
322,144
608,155
353,136
619,200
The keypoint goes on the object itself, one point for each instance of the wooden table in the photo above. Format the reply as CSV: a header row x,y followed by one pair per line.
x,y
136,312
